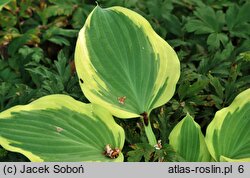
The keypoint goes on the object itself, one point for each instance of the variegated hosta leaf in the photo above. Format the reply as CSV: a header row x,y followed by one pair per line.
x,y
188,140
59,128
228,135
123,65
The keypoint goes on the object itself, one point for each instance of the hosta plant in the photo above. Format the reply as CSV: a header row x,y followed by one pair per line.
x,y
59,128
124,66
227,136
125,69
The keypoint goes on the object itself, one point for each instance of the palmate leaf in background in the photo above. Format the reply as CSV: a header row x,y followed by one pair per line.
x,y
228,135
188,140
59,128
123,65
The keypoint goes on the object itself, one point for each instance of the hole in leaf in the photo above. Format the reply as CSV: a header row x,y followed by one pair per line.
x,y
59,129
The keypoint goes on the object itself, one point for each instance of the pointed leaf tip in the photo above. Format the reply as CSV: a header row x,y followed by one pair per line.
x,y
119,54
188,140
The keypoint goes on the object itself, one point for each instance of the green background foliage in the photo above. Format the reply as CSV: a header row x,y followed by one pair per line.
x,y
211,38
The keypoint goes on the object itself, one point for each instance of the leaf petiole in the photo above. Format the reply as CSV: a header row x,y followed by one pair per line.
x,y
149,133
